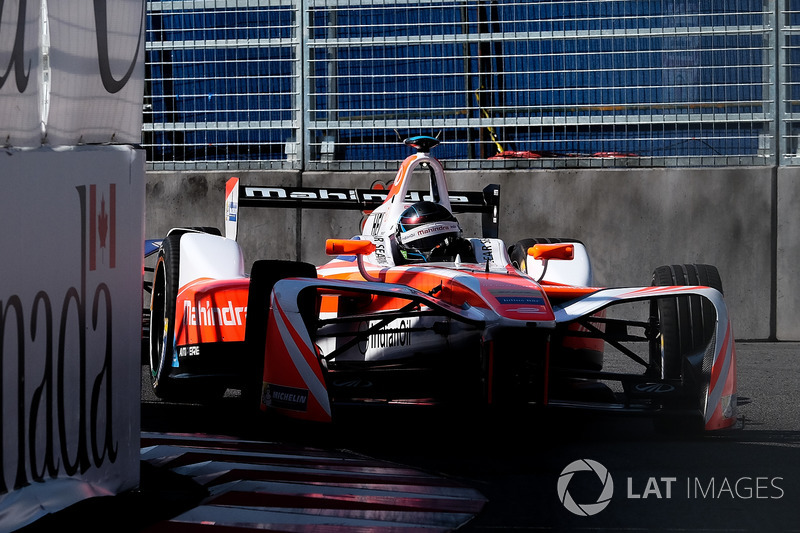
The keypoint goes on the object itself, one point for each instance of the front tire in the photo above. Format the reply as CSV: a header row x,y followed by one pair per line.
x,y
686,325
686,322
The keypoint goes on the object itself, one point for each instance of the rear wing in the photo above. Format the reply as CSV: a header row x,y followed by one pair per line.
x,y
486,202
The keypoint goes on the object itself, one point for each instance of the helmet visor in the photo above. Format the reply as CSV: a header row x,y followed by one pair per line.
x,y
421,240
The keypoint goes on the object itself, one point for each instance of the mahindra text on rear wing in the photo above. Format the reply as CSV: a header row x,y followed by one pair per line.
x,y
485,202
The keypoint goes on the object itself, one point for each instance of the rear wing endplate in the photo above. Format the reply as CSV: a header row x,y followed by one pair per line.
x,y
486,202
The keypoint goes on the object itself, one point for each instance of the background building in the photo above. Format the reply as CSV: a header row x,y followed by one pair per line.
x,y
657,132
334,83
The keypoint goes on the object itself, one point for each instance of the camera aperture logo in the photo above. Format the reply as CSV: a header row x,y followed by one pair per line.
x,y
585,509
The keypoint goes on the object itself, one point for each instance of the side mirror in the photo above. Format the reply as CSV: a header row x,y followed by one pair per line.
x,y
355,247
348,246
546,252
552,251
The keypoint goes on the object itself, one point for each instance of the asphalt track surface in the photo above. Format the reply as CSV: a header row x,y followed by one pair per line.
x,y
747,479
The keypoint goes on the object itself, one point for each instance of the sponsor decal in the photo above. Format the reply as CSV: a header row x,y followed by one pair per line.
x,y
286,397
205,314
377,220
303,194
729,405
337,195
380,251
654,388
528,300
394,335
188,351
429,229
485,253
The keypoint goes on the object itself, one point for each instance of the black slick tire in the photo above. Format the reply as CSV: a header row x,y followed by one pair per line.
x,y
162,315
686,324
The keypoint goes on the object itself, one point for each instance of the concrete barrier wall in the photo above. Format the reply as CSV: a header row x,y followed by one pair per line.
x,y
631,220
787,255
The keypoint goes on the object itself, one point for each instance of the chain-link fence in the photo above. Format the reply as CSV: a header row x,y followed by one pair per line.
x,y
336,84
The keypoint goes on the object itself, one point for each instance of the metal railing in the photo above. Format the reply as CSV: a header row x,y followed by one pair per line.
x,y
335,84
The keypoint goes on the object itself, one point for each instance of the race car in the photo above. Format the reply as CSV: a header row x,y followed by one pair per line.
x,y
411,312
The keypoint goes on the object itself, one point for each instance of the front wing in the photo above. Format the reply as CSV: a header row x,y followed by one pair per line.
x,y
298,382
295,372
718,387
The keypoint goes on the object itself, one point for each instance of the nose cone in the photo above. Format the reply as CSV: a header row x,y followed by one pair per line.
x,y
512,297
516,298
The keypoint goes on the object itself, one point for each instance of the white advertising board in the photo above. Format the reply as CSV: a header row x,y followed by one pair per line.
x,y
96,71
70,326
20,73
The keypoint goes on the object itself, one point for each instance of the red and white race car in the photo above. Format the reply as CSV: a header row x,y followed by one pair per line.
x,y
411,312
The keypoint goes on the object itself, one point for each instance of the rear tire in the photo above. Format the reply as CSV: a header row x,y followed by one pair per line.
x,y
162,315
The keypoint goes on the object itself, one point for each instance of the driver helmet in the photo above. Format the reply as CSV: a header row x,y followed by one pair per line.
x,y
424,231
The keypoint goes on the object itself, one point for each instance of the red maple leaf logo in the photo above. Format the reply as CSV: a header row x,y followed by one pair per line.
x,y
102,223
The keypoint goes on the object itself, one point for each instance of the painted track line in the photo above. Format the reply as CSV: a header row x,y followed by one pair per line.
x,y
276,487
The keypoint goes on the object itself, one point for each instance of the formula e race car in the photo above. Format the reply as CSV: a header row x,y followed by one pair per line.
x,y
410,312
